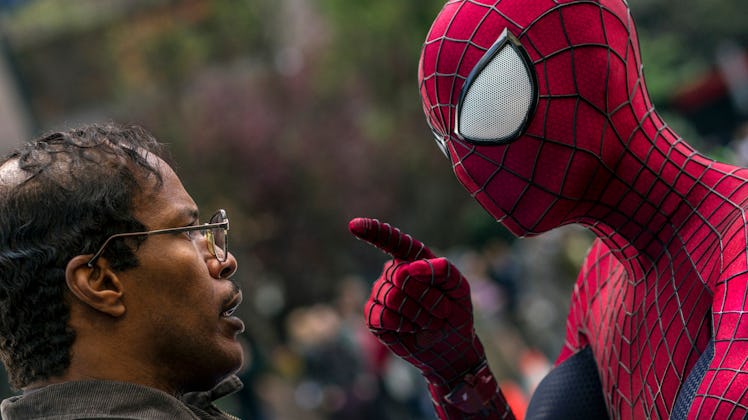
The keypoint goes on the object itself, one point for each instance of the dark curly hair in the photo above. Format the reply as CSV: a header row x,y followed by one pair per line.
x,y
68,192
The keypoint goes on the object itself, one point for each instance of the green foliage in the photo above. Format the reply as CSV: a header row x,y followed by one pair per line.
x,y
377,41
668,65
679,38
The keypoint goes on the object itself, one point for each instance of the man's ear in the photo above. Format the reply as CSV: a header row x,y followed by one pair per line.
x,y
97,286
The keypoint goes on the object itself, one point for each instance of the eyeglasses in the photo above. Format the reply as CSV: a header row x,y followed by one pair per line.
x,y
215,231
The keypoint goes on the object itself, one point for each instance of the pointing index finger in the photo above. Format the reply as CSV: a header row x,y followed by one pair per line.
x,y
389,239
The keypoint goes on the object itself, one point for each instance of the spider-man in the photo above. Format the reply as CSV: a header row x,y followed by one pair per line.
x,y
542,108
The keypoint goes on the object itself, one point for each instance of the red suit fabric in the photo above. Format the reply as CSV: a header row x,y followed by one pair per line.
x,y
668,270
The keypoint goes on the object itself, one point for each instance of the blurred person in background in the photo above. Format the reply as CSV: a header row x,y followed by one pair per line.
x,y
542,110
115,299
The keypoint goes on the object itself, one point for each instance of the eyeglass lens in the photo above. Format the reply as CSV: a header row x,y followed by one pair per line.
x,y
218,237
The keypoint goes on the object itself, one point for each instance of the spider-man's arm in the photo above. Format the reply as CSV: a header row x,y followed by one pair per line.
x,y
420,307
723,390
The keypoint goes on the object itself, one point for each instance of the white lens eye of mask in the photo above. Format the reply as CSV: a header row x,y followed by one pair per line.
x,y
499,96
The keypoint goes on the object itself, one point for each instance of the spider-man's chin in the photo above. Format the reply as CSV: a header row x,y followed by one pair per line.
x,y
512,221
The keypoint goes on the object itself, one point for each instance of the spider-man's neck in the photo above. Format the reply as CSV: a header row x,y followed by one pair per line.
x,y
663,200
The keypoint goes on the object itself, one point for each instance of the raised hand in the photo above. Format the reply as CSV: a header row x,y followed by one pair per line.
x,y
420,308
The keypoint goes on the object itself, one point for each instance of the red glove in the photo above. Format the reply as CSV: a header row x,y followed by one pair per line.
x,y
420,308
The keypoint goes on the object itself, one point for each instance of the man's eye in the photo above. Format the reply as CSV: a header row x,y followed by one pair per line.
x,y
193,234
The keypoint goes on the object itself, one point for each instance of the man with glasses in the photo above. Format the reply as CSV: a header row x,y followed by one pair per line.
x,y
115,300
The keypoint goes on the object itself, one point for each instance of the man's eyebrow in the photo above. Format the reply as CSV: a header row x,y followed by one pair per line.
x,y
187,216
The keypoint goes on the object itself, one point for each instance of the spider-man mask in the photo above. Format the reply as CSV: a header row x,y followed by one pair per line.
x,y
534,103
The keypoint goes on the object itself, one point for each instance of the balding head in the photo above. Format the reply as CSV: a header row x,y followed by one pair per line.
x,y
11,174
